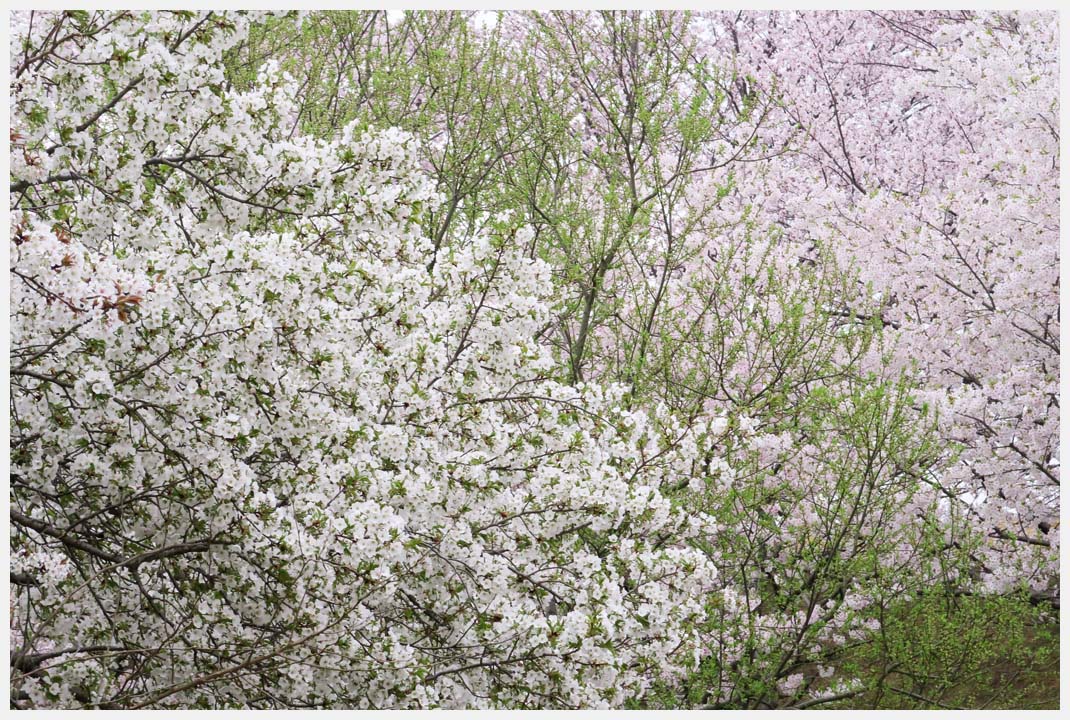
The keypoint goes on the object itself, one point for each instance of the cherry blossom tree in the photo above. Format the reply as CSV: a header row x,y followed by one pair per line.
x,y
925,148
263,454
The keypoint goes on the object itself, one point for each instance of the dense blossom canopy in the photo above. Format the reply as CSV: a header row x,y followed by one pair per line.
x,y
929,156
252,428
529,360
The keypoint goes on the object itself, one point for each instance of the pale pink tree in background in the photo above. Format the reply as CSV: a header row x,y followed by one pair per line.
x,y
923,149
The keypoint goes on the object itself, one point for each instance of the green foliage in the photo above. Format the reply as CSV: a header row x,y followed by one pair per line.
x,y
934,652
946,651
